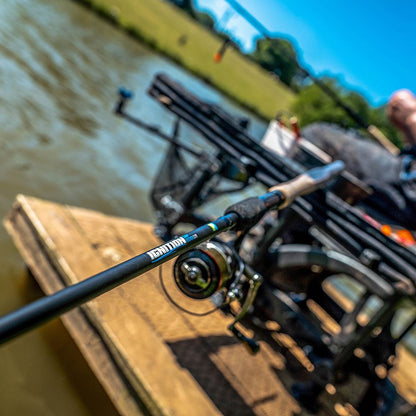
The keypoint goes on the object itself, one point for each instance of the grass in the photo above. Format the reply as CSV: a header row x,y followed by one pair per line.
x,y
160,25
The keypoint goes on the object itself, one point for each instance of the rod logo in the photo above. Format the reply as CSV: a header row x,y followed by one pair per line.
x,y
166,248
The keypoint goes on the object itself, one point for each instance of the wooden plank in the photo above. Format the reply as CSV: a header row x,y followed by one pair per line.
x,y
76,321
250,377
145,351
244,387
136,348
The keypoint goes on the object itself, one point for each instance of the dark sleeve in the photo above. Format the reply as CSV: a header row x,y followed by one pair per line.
x,y
408,151
394,203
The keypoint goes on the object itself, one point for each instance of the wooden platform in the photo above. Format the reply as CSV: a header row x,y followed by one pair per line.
x,y
150,357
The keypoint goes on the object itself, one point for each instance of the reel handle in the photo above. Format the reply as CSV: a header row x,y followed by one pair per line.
x,y
251,344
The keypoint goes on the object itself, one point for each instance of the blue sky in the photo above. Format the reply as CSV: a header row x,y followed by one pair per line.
x,y
369,45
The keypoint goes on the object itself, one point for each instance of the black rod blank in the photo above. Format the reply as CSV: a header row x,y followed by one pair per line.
x,y
237,216
39,312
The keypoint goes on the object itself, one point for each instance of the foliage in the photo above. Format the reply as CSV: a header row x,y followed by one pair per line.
x,y
378,117
205,19
186,5
278,56
312,104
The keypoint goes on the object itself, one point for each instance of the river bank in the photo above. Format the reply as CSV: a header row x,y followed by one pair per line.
x,y
169,31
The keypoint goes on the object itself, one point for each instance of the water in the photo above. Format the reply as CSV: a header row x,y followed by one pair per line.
x,y
60,68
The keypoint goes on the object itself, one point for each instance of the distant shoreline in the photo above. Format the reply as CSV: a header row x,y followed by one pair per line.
x,y
236,77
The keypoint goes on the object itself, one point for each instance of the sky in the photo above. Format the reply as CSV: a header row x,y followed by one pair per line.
x,y
369,45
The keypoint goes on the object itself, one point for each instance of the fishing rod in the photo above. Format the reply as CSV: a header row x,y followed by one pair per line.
x,y
374,131
237,217
249,17
394,262
222,163
124,96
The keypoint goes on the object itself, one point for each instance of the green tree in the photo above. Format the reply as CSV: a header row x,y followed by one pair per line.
x,y
205,19
186,5
378,117
278,56
313,105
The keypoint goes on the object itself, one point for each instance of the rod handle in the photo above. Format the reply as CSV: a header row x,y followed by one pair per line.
x,y
308,182
251,210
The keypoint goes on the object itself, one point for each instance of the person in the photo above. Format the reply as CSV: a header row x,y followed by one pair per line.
x,y
394,196
392,178
401,111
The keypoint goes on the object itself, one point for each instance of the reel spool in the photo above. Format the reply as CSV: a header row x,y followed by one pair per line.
x,y
200,278
210,274
201,272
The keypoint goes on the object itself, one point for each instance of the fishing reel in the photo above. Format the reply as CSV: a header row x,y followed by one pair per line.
x,y
214,271
205,270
